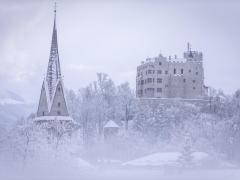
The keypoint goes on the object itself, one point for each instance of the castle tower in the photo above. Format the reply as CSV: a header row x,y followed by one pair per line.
x,y
52,104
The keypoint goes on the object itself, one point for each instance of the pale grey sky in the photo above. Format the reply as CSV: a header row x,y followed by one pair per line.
x,y
114,37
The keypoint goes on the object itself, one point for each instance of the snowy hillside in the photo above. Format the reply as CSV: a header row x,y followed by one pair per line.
x,y
12,108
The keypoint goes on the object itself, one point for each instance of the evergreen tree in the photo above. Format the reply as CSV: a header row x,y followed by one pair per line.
x,y
186,159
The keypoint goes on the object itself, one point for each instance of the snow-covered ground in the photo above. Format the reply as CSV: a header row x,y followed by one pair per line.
x,y
126,174
172,159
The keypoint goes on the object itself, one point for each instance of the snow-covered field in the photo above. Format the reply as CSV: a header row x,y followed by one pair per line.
x,y
126,174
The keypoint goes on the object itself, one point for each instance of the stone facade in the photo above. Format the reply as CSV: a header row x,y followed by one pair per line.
x,y
162,77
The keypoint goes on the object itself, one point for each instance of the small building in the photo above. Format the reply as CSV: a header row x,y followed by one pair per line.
x,y
110,129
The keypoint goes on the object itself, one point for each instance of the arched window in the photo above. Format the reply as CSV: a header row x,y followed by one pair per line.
x,y
59,104
181,71
59,113
174,71
43,113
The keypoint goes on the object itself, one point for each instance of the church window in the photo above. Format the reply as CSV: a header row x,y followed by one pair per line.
x,y
59,89
58,112
181,71
59,104
174,71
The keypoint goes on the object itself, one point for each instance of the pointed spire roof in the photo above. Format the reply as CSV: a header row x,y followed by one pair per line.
x,y
52,99
54,70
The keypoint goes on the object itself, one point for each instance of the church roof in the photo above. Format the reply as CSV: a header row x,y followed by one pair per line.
x,y
52,99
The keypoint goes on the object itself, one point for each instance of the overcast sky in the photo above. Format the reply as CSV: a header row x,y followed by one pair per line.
x,y
114,37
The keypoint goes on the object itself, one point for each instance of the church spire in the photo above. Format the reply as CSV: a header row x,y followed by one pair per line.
x,y
53,71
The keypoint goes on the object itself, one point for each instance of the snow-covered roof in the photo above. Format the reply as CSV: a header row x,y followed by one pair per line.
x,y
111,123
165,158
158,159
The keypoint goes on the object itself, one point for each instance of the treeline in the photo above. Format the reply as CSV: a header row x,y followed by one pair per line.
x,y
155,125
146,126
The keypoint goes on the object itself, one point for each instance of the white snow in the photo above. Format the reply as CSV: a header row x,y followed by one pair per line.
x,y
111,123
158,159
53,118
166,159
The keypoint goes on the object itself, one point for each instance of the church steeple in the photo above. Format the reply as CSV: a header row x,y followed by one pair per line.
x,y
52,99
54,70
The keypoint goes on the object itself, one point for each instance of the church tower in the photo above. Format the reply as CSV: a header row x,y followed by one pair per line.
x,y
52,104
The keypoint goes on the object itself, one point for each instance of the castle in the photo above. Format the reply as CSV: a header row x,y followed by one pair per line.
x,y
162,77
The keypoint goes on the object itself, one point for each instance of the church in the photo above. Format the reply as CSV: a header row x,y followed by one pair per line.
x,y
52,103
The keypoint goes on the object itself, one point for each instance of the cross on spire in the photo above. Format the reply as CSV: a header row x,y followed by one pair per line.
x,y
55,7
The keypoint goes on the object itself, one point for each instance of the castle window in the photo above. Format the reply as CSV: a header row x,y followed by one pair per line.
x,y
150,89
58,113
59,104
166,72
159,80
159,72
149,71
160,63
149,80
181,71
159,89
174,71
193,81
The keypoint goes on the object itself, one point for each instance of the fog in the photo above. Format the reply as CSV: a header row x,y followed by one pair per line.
x,y
114,37
90,122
